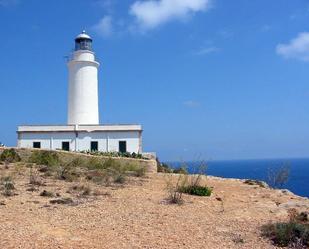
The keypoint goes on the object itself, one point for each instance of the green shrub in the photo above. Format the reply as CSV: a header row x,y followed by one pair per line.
x,y
48,158
10,156
196,190
287,234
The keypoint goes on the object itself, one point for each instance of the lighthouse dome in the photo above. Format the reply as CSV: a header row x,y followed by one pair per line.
x,y
83,35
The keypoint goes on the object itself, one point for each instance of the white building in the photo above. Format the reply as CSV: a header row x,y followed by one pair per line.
x,y
83,131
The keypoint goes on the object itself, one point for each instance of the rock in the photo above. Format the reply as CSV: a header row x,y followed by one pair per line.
x,y
256,182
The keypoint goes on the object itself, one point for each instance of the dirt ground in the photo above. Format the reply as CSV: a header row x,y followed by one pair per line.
x,y
137,215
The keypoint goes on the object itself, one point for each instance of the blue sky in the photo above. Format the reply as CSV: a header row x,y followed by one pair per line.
x,y
207,79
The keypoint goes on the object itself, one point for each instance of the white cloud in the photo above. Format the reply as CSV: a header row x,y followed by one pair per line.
x,y
153,13
207,50
105,26
297,48
191,103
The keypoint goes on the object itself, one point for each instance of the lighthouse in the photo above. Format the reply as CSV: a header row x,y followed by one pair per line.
x,y
83,132
83,106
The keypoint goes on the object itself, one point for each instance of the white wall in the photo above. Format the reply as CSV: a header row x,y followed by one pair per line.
x,y
108,141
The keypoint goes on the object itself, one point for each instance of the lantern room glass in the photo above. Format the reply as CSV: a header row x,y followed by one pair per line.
x,y
83,44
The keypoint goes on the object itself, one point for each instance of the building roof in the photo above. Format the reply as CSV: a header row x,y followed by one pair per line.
x,y
74,128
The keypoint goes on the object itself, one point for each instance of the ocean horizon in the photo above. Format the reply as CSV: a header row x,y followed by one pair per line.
x,y
257,169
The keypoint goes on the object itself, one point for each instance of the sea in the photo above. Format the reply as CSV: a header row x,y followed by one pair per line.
x,y
298,182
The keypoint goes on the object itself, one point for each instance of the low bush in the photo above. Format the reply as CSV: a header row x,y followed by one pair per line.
x,y
196,190
47,158
174,193
287,234
194,185
294,233
7,185
9,156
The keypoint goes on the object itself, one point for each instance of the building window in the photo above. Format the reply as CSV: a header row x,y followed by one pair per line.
x,y
37,145
122,146
66,146
94,145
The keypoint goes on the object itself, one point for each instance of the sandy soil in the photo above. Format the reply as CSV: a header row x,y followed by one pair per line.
x,y
137,215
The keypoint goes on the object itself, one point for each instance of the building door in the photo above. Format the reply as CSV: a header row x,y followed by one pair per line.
x,y
66,146
122,146
94,146
37,145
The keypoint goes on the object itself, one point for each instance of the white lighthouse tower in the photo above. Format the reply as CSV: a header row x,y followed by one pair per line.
x,y
83,84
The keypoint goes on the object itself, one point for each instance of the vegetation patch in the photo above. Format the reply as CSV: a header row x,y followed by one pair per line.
x,y
9,156
47,158
115,154
175,196
293,234
188,184
7,185
196,190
